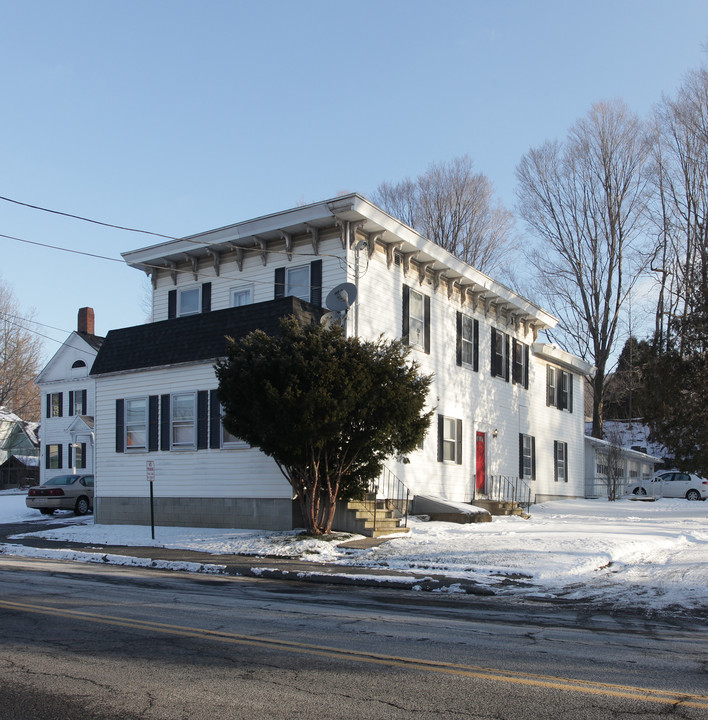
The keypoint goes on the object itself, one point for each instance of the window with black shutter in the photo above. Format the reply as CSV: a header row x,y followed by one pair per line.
x,y
416,319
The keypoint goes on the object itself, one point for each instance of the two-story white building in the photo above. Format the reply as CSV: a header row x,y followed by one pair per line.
x,y
68,401
509,408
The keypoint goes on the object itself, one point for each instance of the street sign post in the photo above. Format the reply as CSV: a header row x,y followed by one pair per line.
x,y
150,475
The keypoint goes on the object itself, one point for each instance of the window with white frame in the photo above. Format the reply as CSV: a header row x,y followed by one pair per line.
x,y
297,282
189,301
500,354
77,402
560,461
136,423
229,441
449,440
242,295
559,388
53,457
55,405
184,426
601,466
416,319
527,457
468,341
79,460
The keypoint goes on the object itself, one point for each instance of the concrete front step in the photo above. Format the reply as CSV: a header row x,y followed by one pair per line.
x,y
358,517
382,533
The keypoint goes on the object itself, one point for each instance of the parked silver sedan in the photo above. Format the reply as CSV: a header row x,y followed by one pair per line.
x,y
63,492
672,484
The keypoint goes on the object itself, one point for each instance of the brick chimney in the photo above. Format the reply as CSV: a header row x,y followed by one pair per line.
x,y
86,321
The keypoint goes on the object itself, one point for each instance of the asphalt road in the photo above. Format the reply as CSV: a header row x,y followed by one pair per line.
x,y
92,641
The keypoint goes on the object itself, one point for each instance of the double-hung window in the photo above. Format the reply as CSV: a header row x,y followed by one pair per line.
x,y
242,295
449,440
520,364
560,461
55,405
467,341
77,402
136,423
500,354
53,457
559,388
183,409
416,319
527,457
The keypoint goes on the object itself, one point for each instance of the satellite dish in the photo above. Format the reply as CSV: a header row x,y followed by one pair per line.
x,y
330,319
341,297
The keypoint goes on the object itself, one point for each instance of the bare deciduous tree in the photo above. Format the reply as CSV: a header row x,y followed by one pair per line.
x,y
585,200
20,351
454,207
681,213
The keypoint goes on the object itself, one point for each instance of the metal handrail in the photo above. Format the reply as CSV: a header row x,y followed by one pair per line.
x,y
392,491
504,488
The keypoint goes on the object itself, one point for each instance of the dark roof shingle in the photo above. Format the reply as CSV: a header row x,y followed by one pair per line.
x,y
195,338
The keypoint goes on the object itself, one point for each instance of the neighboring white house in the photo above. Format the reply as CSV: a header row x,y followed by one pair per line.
x,y
68,401
507,406
609,463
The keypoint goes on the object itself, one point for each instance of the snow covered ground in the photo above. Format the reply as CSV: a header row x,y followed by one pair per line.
x,y
652,555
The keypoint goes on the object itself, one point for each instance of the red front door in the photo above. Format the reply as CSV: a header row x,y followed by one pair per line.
x,y
481,468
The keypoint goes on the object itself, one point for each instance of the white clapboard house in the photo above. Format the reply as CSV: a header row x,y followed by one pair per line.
x,y
68,395
509,408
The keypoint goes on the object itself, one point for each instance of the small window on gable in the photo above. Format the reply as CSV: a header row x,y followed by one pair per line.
x,y
242,295
78,364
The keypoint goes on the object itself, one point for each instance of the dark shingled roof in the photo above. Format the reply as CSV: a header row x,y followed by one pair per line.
x,y
194,338
95,341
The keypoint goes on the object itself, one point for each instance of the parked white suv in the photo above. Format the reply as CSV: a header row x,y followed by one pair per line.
x,y
672,484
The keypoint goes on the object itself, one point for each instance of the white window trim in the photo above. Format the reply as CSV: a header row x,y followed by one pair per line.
x,y
182,291
414,340
305,288
239,289
135,448
187,445
449,439
561,463
467,342
230,444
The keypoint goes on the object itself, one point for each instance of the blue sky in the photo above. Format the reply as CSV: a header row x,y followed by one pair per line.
x,y
178,117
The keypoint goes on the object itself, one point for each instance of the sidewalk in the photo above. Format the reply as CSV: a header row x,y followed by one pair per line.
x,y
277,568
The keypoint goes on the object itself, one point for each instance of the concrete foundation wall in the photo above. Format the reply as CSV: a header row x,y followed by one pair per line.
x,y
246,513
